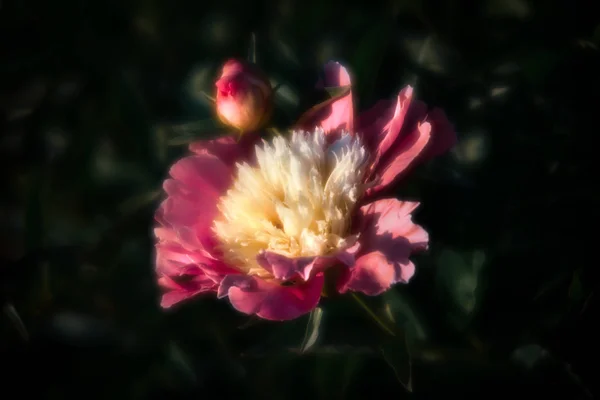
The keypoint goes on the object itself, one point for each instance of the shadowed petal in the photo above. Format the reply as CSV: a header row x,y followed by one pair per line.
x,y
173,260
388,237
228,149
375,272
285,268
408,150
335,75
204,174
390,218
198,182
269,300
422,137
336,113
443,136
381,125
179,291
184,273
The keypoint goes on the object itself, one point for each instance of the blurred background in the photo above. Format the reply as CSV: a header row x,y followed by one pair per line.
x,y
98,98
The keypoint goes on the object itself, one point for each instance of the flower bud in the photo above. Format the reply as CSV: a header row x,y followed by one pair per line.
x,y
244,96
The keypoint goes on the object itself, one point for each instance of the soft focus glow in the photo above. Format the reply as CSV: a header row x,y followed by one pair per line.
x,y
296,202
473,148
262,225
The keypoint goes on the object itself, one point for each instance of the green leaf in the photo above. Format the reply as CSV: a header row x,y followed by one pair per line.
x,y
179,360
533,357
394,348
351,366
396,353
312,329
400,312
458,279
275,339
338,91
333,374
390,330
285,94
16,320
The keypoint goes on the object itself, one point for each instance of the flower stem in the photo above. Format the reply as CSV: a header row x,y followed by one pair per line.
x,y
372,314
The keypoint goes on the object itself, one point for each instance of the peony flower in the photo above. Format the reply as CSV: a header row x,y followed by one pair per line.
x,y
244,96
261,222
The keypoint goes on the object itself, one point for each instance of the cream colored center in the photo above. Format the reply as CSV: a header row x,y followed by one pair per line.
x,y
296,202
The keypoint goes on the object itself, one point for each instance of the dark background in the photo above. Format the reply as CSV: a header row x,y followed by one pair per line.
x,y
97,98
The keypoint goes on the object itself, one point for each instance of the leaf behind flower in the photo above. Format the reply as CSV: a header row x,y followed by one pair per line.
x,y
312,329
395,352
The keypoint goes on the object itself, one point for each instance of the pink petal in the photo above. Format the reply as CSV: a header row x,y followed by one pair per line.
x,y
443,136
169,299
410,147
197,184
165,234
232,67
371,122
335,75
177,292
205,174
270,300
228,149
388,238
374,273
336,113
172,259
381,125
176,214
184,273
391,219
175,188
285,268
399,138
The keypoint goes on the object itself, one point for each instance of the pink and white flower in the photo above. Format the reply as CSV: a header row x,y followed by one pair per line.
x,y
261,223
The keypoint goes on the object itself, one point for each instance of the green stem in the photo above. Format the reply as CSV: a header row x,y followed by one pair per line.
x,y
371,313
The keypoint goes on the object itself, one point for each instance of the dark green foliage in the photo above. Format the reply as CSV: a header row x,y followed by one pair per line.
x,y
98,98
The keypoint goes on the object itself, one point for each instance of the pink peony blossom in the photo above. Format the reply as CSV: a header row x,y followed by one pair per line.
x,y
261,223
244,96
